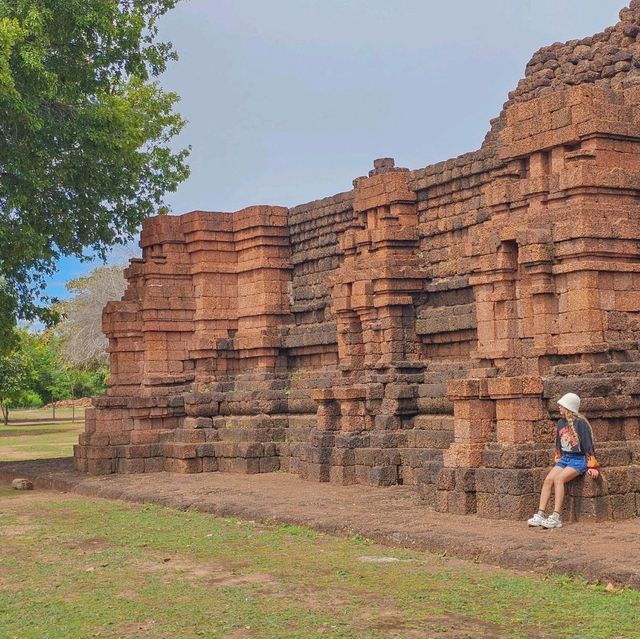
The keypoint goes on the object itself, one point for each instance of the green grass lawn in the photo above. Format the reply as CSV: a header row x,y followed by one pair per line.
x,y
76,568
26,438
19,415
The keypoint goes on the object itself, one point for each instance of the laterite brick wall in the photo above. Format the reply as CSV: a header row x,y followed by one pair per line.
x,y
416,329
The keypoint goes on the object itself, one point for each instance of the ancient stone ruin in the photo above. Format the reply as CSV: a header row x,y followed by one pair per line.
x,y
415,330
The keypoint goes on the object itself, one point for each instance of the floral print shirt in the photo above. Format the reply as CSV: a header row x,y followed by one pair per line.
x,y
575,438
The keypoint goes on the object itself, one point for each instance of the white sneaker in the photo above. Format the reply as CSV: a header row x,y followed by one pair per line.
x,y
536,520
552,521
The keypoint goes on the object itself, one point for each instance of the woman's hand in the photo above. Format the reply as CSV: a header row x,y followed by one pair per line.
x,y
593,472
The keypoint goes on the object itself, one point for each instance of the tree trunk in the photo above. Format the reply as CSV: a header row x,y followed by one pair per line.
x,y
5,414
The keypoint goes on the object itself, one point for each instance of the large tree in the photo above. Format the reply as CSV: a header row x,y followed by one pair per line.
x,y
82,341
84,136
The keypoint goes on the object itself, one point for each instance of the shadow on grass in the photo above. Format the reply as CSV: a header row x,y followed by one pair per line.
x,y
32,468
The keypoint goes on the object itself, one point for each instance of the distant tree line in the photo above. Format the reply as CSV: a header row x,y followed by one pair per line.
x,y
68,360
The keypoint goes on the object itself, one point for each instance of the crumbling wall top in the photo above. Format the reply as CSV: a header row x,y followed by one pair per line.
x,y
610,58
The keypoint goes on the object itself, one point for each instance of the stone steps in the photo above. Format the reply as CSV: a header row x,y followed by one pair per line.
x,y
240,444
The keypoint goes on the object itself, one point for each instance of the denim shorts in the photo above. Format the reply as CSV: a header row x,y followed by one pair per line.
x,y
573,460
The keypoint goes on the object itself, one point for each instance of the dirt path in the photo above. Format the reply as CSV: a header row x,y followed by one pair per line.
x,y
604,552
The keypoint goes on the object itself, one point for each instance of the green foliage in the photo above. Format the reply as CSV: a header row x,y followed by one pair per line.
x,y
55,378
84,136
26,399
35,371
7,316
51,378
86,382
17,371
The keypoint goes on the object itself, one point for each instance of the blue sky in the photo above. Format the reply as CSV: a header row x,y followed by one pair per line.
x,y
289,100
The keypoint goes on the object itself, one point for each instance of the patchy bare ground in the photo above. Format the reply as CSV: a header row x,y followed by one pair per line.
x,y
603,552
332,597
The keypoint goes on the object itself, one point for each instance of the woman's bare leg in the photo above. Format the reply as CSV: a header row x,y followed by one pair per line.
x,y
560,479
547,486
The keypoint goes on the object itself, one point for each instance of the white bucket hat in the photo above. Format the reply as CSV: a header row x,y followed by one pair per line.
x,y
570,401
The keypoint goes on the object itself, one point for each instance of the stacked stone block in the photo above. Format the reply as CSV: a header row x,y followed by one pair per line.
x,y
416,329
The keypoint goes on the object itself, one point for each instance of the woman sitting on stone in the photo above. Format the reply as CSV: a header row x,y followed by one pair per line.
x,y
574,457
